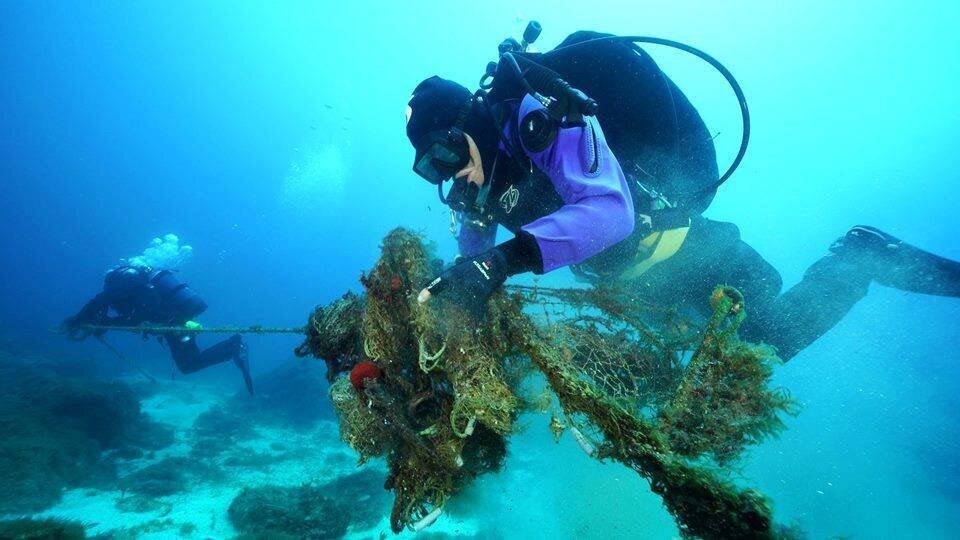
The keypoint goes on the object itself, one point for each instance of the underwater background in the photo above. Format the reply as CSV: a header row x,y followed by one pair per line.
x,y
270,137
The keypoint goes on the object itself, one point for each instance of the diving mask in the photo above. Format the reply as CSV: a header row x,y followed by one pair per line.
x,y
446,153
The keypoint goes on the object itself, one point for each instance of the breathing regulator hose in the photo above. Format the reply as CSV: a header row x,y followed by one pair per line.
x,y
537,79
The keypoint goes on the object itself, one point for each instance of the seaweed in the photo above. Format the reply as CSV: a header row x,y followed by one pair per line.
x,y
217,430
723,403
364,492
38,459
142,504
444,391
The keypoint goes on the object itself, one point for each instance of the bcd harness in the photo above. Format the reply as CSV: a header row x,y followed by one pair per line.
x,y
519,73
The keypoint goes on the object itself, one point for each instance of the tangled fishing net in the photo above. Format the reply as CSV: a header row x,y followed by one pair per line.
x,y
437,393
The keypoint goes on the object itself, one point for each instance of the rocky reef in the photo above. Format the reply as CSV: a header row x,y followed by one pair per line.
x,y
62,431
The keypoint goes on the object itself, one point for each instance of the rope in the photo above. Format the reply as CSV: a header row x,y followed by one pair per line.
x,y
153,329
129,362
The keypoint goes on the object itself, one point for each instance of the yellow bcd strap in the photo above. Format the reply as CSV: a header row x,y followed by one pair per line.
x,y
654,248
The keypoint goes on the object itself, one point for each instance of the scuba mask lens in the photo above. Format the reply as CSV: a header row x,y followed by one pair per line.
x,y
446,154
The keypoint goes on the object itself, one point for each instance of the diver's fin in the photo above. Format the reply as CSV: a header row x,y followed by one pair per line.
x,y
242,360
895,263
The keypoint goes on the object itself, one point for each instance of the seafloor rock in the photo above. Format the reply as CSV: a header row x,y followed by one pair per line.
x,y
325,511
291,396
55,430
218,430
40,529
363,491
302,512
168,476
166,527
165,477
141,504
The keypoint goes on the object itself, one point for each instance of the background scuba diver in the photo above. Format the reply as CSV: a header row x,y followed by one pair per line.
x,y
624,202
133,295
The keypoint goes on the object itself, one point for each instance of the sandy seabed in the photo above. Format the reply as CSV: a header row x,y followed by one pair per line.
x,y
201,511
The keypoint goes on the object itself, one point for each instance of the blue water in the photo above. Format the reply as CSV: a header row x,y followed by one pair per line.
x,y
270,137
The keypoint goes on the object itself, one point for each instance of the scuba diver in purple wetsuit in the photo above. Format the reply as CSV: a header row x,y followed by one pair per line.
x,y
572,206
614,188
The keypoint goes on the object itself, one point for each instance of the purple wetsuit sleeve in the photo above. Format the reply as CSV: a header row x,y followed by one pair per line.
x,y
475,240
597,211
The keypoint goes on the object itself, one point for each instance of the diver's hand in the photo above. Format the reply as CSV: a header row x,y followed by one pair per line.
x,y
72,328
470,282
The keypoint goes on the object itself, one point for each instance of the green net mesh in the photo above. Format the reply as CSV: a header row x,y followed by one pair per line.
x,y
671,405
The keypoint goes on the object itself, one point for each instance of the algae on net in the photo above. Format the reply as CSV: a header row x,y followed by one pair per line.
x,y
444,396
723,403
440,408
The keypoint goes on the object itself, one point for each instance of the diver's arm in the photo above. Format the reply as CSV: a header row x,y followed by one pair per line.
x,y
471,281
118,285
598,209
93,312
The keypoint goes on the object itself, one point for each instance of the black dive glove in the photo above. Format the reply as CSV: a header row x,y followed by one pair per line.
x,y
470,282
94,312
75,328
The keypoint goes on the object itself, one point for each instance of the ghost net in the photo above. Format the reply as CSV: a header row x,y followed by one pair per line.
x,y
436,393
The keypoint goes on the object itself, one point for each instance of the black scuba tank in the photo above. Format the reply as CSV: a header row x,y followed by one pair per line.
x,y
124,280
175,296
658,136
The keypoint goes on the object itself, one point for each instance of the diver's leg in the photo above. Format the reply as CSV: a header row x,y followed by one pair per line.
x,y
715,254
795,319
185,352
725,259
832,285
712,254
189,359
242,360
894,263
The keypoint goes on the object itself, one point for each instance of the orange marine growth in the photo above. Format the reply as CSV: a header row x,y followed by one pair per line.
x,y
363,371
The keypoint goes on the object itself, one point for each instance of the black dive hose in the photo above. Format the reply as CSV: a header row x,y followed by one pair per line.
x,y
744,111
